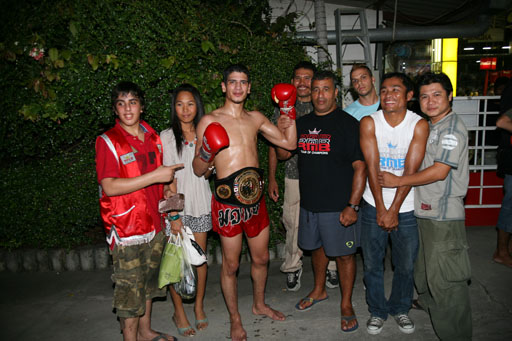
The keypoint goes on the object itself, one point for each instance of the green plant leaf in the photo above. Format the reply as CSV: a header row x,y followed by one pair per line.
x,y
66,54
50,76
168,62
207,45
73,28
52,94
93,61
30,111
59,63
54,54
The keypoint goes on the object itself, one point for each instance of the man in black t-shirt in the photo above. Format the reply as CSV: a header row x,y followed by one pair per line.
x,y
332,177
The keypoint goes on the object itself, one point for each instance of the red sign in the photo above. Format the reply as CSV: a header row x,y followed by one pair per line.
x,y
488,63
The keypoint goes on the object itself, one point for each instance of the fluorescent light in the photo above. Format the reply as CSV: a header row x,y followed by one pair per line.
x,y
469,48
505,47
486,48
478,61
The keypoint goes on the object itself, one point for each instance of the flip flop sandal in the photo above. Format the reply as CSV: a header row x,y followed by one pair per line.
x,y
312,302
349,319
202,321
183,331
162,336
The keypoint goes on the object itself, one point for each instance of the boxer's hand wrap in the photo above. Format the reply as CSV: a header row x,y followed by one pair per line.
x,y
215,137
285,95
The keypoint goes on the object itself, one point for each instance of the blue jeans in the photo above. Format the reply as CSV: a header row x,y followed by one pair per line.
x,y
505,217
404,249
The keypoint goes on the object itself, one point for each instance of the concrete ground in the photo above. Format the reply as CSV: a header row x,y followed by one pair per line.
x,y
77,305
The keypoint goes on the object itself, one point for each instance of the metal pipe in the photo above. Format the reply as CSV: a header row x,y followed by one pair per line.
x,y
404,33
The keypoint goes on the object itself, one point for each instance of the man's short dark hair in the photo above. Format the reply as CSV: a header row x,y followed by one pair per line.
x,y
431,77
235,68
406,81
325,74
124,88
304,65
361,66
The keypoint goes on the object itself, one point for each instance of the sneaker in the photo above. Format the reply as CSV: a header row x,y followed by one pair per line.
x,y
331,279
374,325
293,280
405,324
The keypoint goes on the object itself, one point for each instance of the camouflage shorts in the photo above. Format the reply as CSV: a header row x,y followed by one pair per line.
x,y
135,276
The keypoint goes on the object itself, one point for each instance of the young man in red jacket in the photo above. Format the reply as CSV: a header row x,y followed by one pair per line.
x,y
131,176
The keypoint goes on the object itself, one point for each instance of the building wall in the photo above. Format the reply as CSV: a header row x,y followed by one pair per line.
x,y
306,20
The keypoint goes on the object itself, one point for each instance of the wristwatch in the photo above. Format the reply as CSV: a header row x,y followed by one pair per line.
x,y
355,207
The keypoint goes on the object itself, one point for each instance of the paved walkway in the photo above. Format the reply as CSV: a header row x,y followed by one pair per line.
x,y
77,305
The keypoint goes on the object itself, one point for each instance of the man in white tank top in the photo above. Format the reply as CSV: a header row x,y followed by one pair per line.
x,y
442,270
392,139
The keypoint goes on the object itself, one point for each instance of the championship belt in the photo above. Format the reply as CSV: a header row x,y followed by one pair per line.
x,y
244,188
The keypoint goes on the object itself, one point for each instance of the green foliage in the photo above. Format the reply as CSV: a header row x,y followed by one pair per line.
x,y
59,61
49,203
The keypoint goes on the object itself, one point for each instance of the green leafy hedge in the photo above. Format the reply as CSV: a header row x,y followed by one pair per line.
x,y
60,59
50,203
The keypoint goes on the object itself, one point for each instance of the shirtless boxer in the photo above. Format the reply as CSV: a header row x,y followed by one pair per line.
x,y
229,143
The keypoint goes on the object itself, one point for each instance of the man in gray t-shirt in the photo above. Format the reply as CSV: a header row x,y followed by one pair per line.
x,y
442,269
292,265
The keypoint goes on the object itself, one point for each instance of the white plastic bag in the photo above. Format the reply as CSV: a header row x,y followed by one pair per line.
x,y
187,286
195,254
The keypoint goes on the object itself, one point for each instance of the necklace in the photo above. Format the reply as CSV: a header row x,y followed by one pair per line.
x,y
191,143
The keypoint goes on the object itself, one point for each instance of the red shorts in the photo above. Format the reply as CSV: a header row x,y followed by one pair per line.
x,y
229,221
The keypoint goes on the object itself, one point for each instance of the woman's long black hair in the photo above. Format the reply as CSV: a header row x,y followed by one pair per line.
x,y
176,124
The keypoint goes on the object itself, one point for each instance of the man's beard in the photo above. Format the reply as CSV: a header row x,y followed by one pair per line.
x,y
300,97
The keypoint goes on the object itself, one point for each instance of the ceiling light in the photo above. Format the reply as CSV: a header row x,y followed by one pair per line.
x,y
505,47
486,48
469,48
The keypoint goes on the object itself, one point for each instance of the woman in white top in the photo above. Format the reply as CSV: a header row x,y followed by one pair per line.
x,y
179,143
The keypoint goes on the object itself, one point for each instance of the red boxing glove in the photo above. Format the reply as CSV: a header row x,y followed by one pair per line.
x,y
285,95
215,137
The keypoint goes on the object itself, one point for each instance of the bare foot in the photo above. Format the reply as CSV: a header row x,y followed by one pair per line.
x,y
267,311
237,331
502,259
348,323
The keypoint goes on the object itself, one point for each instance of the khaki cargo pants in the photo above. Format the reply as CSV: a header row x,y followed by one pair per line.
x,y
441,275
136,269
